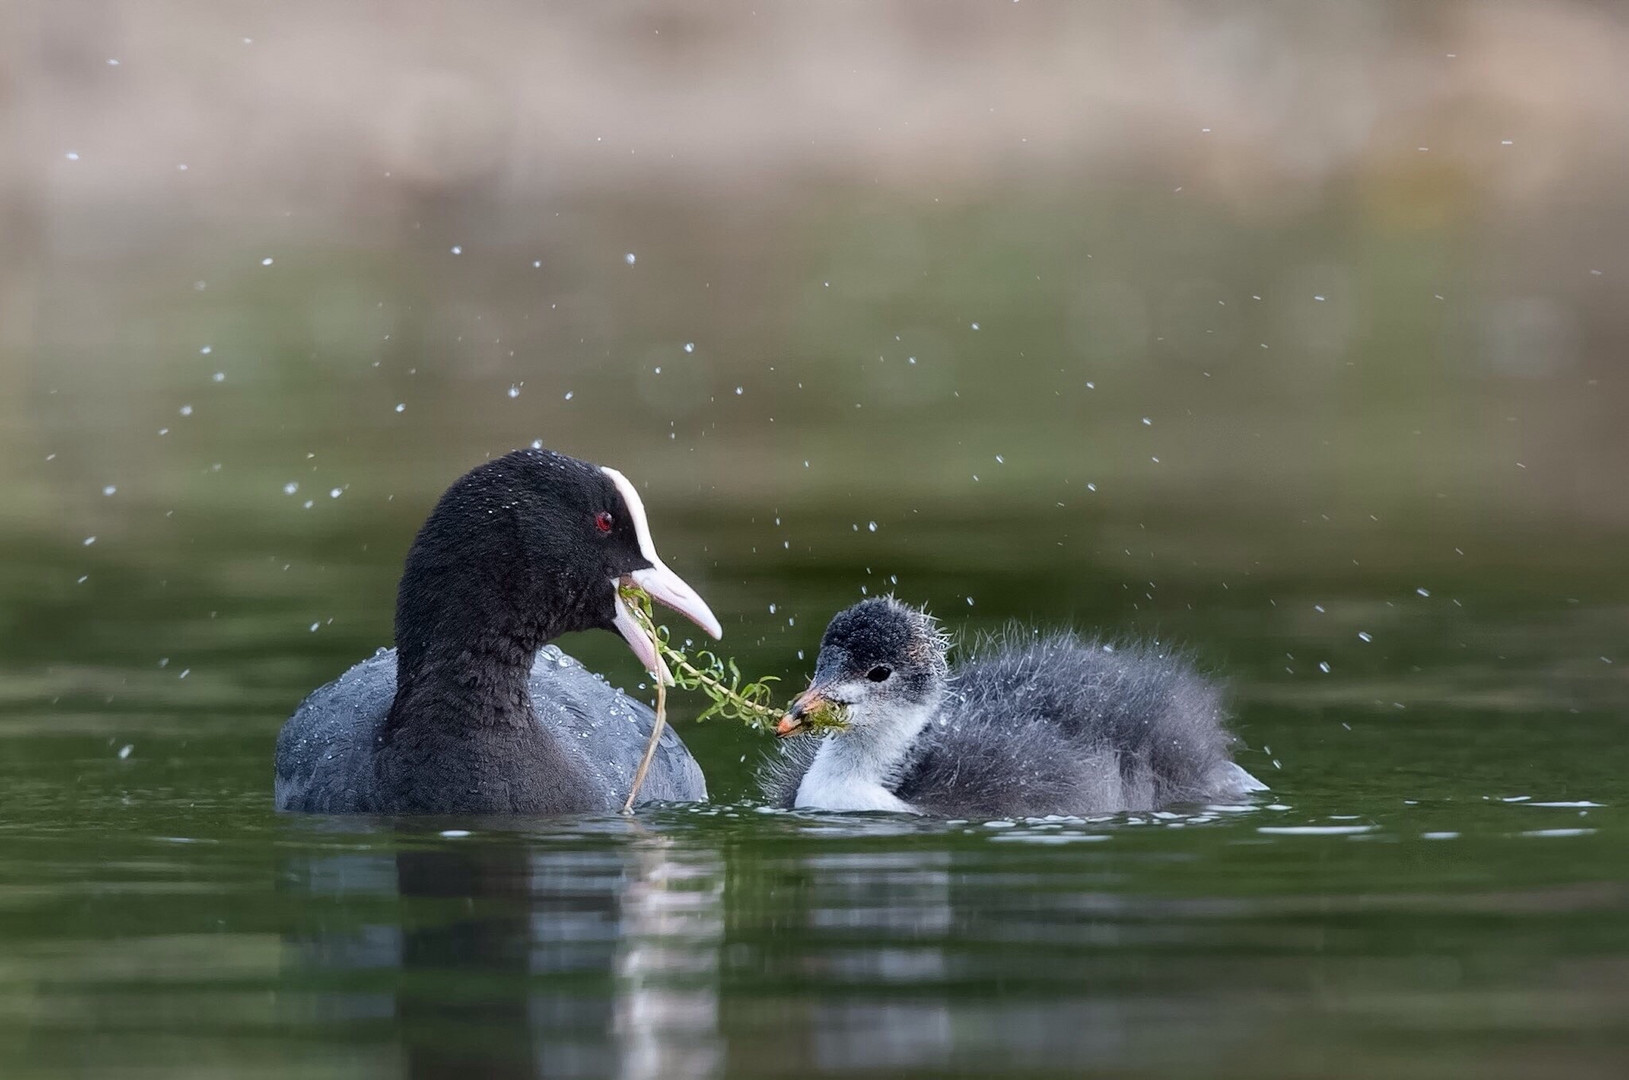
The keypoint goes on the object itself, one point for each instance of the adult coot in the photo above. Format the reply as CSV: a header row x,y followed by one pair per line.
x,y
1032,725
466,715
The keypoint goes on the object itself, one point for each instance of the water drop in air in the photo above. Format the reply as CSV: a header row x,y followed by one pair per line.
x,y
629,258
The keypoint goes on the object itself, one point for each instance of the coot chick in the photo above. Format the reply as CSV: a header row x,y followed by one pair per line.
x,y
1032,725
465,715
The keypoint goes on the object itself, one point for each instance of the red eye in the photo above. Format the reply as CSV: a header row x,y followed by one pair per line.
x,y
603,521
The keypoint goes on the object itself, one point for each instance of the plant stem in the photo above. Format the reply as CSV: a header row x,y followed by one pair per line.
x,y
650,747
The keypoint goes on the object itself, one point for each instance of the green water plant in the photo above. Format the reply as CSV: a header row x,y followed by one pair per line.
x,y
718,678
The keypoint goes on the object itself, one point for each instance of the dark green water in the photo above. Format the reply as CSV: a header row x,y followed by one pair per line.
x,y
1437,885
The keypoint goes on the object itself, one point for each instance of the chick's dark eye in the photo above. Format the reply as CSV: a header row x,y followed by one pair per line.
x,y
603,521
878,674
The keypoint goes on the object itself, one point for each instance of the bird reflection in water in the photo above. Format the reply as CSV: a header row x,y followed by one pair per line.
x,y
526,956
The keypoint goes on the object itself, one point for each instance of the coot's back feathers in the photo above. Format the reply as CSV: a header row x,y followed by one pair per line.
x,y
1082,726
325,752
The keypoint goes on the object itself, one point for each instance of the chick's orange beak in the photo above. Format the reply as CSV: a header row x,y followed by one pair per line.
x,y
805,703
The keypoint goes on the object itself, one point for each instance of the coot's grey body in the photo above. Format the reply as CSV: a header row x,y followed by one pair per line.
x,y
473,712
1031,725
326,750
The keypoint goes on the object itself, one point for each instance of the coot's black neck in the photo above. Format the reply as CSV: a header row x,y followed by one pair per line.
x,y
462,735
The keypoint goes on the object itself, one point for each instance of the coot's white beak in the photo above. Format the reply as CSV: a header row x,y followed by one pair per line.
x,y
662,584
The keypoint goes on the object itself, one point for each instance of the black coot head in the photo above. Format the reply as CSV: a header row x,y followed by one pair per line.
x,y
881,653
529,546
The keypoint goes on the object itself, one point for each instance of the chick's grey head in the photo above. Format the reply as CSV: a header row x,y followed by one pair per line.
x,y
877,658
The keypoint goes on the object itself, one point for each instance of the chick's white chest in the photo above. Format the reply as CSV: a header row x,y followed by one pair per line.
x,y
852,768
